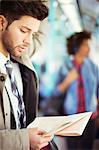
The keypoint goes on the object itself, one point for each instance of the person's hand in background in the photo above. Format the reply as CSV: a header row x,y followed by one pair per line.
x,y
72,75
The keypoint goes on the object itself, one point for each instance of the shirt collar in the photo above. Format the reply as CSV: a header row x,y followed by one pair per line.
x,y
3,58
77,65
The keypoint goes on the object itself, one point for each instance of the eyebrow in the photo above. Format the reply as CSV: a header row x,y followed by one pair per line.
x,y
26,28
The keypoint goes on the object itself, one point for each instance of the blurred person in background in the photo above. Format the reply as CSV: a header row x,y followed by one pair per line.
x,y
77,90
81,85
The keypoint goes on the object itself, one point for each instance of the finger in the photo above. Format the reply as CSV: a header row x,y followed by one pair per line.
x,y
46,139
44,145
33,130
44,133
41,132
48,135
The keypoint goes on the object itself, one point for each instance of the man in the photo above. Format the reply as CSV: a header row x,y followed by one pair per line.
x,y
19,20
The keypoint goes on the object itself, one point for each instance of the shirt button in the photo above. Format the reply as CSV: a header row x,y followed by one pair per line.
x,y
2,78
6,114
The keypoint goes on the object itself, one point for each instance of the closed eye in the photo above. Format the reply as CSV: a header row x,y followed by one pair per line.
x,y
24,31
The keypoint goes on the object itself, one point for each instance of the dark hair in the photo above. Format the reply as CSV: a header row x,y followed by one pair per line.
x,y
75,41
15,9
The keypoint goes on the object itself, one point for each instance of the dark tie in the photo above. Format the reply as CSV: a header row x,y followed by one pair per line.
x,y
21,108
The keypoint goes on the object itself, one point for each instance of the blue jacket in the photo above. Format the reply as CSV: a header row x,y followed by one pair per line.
x,y
90,74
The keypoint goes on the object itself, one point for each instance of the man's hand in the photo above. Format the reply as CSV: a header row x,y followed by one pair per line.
x,y
37,138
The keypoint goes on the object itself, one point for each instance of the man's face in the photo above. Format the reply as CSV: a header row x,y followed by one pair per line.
x,y
84,49
17,37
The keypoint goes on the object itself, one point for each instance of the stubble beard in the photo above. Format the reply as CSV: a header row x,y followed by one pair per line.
x,y
8,45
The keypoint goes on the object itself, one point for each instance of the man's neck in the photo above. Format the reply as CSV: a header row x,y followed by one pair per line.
x,y
3,50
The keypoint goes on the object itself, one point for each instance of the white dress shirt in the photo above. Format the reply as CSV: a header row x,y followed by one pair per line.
x,y
16,72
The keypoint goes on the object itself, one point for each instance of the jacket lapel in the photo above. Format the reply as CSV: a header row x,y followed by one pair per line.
x,y
29,93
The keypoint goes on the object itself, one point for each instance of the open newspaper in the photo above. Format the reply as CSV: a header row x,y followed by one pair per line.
x,y
72,125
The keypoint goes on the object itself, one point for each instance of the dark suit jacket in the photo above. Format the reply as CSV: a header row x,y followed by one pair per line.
x,y
29,94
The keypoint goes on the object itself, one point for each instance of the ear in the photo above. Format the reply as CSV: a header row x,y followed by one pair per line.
x,y
3,23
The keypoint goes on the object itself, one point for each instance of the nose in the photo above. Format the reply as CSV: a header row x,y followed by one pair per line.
x,y
28,40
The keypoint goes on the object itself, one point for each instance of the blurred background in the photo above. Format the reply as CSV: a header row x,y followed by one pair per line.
x,y
74,16
66,17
